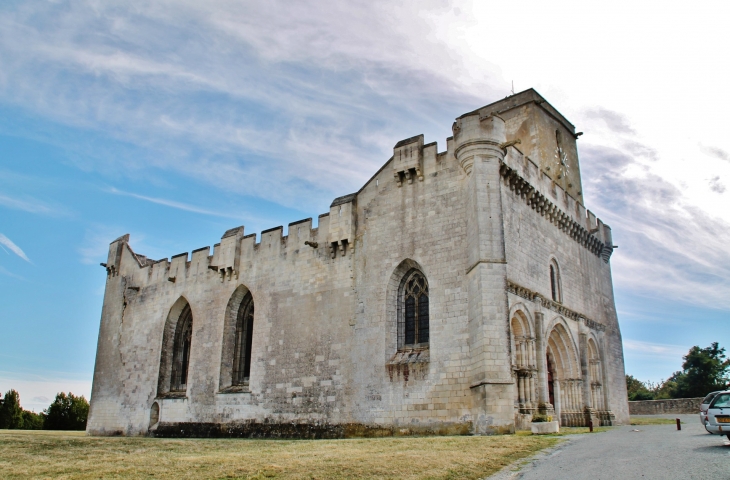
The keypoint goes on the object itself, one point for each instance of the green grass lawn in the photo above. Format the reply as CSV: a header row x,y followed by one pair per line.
x,y
652,421
45,454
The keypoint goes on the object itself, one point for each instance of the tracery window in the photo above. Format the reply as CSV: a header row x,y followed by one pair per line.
x,y
413,329
181,351
556,289
244,339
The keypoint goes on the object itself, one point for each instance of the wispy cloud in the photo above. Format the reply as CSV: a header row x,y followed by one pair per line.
x,y
296,101
7,272
5,241
669,351
173,204
615,121
95,246
28,204
668,247
293,105
716,152
716,185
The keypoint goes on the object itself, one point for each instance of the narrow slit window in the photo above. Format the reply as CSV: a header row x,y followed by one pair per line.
x,y
556,289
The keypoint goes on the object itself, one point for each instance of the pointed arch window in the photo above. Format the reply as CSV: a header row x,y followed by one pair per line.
x,y
556,289
181,351
244,339
413,324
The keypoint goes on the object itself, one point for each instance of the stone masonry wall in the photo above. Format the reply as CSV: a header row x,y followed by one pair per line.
x,y
532,241
669,406
325,360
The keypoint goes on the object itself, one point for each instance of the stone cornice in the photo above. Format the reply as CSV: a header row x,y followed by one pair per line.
x,y
556,307
542,205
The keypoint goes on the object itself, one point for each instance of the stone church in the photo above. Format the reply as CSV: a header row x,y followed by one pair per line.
x,y
457,292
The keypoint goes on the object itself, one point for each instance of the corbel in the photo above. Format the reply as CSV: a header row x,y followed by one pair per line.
x,y
511,143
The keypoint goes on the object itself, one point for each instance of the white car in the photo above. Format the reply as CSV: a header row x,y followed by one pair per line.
x,y
718,415
705,405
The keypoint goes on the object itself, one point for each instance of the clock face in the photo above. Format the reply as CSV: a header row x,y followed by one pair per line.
x,y
562,162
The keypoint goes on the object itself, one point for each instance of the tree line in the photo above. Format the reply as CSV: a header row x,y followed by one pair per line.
x,y
704,370
67,412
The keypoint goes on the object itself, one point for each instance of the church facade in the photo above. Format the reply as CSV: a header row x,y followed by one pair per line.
x,y
457,292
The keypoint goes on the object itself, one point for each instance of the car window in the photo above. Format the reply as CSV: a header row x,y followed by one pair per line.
x,y
709,398
721,401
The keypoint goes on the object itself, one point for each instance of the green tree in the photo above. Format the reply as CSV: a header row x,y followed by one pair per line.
x,y
32,420
704,370
11,415
667,388
67,412
637,389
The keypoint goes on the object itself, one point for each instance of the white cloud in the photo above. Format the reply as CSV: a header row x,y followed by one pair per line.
x,y
30,205
37,391
13,247
95,246
293,100
305,100
173,204
672,352
7,272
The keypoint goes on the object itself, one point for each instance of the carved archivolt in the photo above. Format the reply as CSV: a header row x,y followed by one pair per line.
x,y
556,307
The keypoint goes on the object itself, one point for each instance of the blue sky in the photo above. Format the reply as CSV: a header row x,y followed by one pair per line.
x,y
178,120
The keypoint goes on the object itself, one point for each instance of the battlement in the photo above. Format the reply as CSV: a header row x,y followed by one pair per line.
x,y
334,234
525,119
545,196
408,160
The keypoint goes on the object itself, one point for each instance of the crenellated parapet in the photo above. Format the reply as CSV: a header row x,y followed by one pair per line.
x,y
227,254
408,160
549,200
342,224
333,238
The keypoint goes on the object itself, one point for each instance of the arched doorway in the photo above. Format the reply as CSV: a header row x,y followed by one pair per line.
x,y
565,385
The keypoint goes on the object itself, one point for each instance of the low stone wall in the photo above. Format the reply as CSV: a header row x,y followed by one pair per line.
x,y
670,406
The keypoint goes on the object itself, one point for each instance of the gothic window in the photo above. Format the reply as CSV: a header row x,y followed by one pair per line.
x,y
556,289
181,351
244,337
413,311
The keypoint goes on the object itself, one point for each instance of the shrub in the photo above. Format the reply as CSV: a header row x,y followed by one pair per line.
x,y
539,418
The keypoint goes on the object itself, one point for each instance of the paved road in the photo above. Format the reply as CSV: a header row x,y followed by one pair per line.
x,y
654,452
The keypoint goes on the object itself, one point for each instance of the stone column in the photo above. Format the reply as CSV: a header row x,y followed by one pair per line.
x,y
541,360
585,369
477,139
531,366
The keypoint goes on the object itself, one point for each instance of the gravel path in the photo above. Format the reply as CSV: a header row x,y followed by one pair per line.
x,y
652,452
